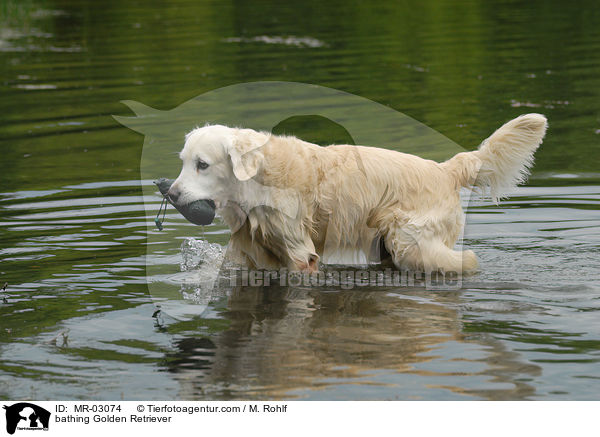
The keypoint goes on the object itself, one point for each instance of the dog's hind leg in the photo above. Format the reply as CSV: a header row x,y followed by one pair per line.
x,y
439,257
416,249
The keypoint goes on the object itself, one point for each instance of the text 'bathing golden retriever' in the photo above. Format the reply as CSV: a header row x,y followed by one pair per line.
x,y
290,203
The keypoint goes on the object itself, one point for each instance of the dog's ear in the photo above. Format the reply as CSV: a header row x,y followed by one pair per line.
x,y
245,153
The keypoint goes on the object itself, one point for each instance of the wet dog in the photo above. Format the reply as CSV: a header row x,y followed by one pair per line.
x,y
290,203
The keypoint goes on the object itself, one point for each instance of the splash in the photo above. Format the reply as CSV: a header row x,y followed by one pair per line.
x,y
197,253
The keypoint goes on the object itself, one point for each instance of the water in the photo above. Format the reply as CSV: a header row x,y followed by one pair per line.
x,y
78,321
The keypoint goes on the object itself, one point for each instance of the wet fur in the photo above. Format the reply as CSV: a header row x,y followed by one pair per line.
x,y
290,203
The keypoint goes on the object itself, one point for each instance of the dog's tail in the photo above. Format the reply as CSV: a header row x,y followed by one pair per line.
x,y
503,160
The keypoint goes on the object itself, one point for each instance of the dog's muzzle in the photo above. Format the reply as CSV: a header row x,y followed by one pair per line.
x,y
198,212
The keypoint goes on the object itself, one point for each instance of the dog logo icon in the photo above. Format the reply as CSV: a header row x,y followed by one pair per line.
x,y
26,416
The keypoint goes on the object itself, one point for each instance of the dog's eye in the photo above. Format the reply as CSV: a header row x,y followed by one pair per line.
x,y
201,165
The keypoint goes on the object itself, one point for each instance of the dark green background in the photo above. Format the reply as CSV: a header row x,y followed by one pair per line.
x,y
462,68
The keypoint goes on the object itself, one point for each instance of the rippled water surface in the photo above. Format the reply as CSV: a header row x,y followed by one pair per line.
x,y
77,320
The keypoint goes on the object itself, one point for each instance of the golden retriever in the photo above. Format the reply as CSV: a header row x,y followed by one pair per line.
x,y
290,203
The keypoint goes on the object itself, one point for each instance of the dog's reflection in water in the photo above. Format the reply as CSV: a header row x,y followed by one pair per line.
x,y
280,343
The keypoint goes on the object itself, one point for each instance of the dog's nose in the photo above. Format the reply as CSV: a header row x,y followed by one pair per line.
x,y
173,194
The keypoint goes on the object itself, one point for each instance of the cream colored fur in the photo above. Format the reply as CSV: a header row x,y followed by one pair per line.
x,y
289,202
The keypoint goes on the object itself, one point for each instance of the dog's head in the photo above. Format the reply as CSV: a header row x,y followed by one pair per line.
x,y
218,165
